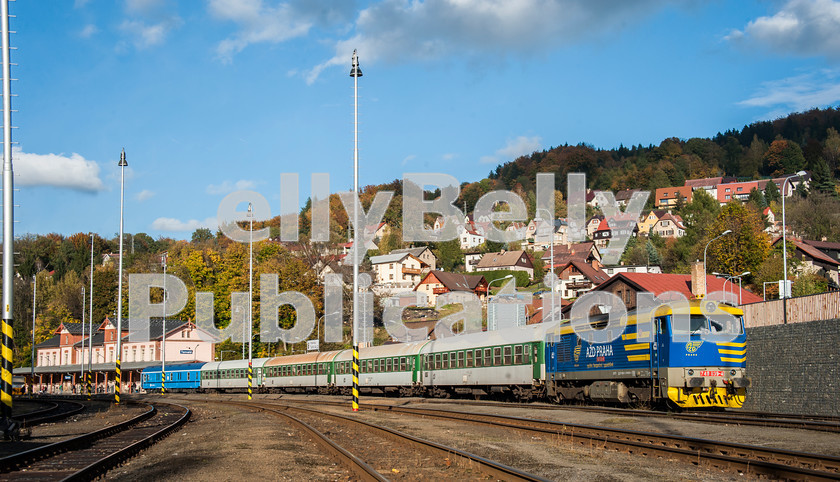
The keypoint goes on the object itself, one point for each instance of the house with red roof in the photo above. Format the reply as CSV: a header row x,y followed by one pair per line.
x,y
436,283
577,277
626,286
667,197
813,260
669,226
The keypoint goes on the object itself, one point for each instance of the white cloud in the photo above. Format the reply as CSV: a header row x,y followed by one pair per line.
x,y
172,224
149,34
228,186
149,22
260,22
801,27
57,170
89,31
514,148
399,31
798,93
144,195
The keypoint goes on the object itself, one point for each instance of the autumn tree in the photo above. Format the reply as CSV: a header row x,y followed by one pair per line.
x,y
745,247
783,157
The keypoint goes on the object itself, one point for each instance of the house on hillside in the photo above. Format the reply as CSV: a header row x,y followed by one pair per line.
x,y
709,184
813,260
509,260
669,226
436,283
423,253
623,197
626,286
667,197
577,278
593,224
829,248
610,228
471,260
400,271
648,220
586,252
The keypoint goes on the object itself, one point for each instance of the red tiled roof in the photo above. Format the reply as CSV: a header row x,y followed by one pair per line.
x,y
595,275
822,244
454,281
811,251
658,283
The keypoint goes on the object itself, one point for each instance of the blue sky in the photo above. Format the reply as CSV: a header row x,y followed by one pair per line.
x,y
211,96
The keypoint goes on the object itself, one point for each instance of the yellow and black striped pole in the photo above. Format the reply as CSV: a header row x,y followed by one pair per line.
x,y
250,377
87,383
162,382
118,374
355,378
8,355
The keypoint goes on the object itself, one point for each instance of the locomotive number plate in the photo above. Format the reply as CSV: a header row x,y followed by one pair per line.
x,y
711,373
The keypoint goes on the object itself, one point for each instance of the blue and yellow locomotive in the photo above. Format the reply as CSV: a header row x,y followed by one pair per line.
x,y
680,362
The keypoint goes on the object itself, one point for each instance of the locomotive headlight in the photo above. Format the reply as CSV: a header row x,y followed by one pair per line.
x,y
690,372
732,372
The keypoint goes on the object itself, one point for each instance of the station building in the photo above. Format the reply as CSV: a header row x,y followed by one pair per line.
x,y
60,360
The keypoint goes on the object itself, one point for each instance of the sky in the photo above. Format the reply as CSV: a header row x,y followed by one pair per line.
x,y
209,97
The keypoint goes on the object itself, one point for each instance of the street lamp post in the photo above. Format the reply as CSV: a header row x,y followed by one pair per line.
x,y
706,248
163,261
740,291
32,368
118,371
356,72
784,233
497,279
90,324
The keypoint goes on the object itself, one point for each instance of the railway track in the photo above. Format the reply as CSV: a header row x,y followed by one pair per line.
x,y
56,410
777,420
365,471
743,458
89,455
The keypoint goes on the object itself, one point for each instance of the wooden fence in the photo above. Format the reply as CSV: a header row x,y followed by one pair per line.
x,y
823,306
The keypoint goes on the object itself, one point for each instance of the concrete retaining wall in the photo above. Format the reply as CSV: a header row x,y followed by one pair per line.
x,y
795,368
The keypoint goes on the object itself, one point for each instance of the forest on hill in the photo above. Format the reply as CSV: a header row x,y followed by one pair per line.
x,y
211,262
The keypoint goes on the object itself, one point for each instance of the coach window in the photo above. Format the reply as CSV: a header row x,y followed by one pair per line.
x,y
526,357
488,359
460,359
517,355
403,364
469,358
389,365
445,364
497,356
508,355
437,361
321,369
370,366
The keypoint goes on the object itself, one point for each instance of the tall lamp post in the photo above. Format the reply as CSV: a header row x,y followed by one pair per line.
x,y
163,330
706,248
356,72
784,234
118,372
497,279
250,298
90,325
32,368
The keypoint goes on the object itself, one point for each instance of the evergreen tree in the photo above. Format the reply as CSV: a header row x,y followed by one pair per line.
x,y
757,198
821,180
771,193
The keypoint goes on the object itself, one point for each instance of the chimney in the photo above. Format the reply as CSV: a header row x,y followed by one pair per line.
x,y
698,279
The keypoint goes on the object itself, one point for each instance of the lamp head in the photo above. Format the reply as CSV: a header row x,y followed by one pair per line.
x,y
123,162
801,173
355,71
744,273
726,232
